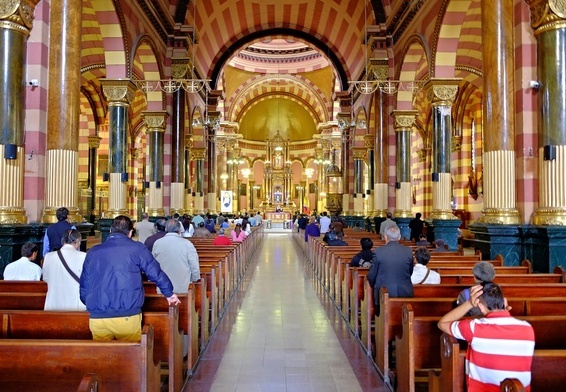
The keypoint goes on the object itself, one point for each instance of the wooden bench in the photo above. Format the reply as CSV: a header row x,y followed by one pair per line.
x,y
39,324
57,364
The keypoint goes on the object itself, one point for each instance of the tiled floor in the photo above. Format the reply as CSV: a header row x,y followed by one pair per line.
x,y
281,333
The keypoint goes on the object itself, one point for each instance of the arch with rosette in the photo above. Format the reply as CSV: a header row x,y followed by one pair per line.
x,y
308,93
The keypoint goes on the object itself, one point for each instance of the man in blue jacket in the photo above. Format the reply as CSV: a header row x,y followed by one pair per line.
x,y
112,287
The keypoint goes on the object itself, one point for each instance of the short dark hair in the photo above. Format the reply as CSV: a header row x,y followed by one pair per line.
x,y
160,224
422,237
145,215
422,255
71,236
29,248
418,215
492,296
201,224
176,216
389,215
62,213
122,224
366,243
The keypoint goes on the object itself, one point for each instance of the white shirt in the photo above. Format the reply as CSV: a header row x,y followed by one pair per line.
x,y
419,272
62,289
22,269
324,224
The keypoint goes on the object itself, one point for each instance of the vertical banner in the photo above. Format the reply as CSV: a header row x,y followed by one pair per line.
x,y
226,201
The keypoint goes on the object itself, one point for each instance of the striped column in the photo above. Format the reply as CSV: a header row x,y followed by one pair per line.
x,y
403,125
498,52
443,94
198,155
381,188
63,109
369,141
120,94
155,122
359,155
16,19
548,20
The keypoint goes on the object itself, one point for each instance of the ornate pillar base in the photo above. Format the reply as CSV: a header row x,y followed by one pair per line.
x,y
369,206
403,223
442,215
549,216
12,216
359,204
155,207
497,239
117,196
346,204
178,194
403,201
12,189
211,203
380,199
50,215
445,229
498,216
198,204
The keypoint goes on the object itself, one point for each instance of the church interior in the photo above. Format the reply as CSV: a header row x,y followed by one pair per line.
x,y
356,108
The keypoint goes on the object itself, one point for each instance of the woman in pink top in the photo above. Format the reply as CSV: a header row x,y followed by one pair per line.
x,y
238,234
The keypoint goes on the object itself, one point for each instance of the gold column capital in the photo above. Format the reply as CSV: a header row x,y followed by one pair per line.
x,y
119,91
547,15
155,120
379,68
94,141
403,120
442,91
359,153
17,15
369,141
135,152
180,66
198,154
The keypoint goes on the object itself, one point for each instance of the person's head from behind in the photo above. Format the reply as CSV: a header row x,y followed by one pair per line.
x,y
483,271
123,225
173,226
366,243
422,237
160,224
418,215
312,219
422,255
221,231
324,213
339,236
392,233
71,237
62,213
30,250
491,298
145,216
389,215
201,224
175,216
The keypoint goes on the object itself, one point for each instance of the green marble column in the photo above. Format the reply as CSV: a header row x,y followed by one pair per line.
x,y
156,122
120,94
403,125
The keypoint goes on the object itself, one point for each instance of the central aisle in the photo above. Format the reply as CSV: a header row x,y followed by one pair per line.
x,y
277,336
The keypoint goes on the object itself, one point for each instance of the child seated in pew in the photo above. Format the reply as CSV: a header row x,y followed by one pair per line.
x,y
365,257
483,273
499,345
421,274
338,241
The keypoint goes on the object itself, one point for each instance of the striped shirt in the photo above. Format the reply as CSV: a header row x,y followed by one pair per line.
x,y
499,347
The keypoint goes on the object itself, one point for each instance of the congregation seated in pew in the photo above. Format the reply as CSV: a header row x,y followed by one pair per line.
x,y
422,274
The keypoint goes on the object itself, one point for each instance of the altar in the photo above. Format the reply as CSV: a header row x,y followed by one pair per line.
x,y
278,217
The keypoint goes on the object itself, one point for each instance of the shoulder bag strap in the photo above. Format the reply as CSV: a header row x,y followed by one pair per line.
x,y
69,270
426,276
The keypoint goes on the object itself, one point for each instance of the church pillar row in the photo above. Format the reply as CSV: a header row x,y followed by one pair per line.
x,y
188,199
120,94
548,20
212,169
178,181
155,122
403,125
93,145
198,155
443,95
499,187
16,20
381,189
63,110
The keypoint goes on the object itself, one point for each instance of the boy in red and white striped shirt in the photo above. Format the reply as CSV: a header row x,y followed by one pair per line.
x,y
499,345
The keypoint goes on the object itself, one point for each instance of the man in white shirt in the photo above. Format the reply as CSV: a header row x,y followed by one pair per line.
x,y
177,257
62,287
324,223
421,274
24,268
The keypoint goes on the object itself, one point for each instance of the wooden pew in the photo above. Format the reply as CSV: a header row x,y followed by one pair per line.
x,y
57,364
39,324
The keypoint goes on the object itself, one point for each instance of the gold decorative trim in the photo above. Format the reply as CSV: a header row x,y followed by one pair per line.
x,y
500,216
94,141
119,90
547,15
369,141
155,121
8,7
198,154
359,153
403,119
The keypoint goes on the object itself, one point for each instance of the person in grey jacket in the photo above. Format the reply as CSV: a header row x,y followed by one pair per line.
x,y
392,267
